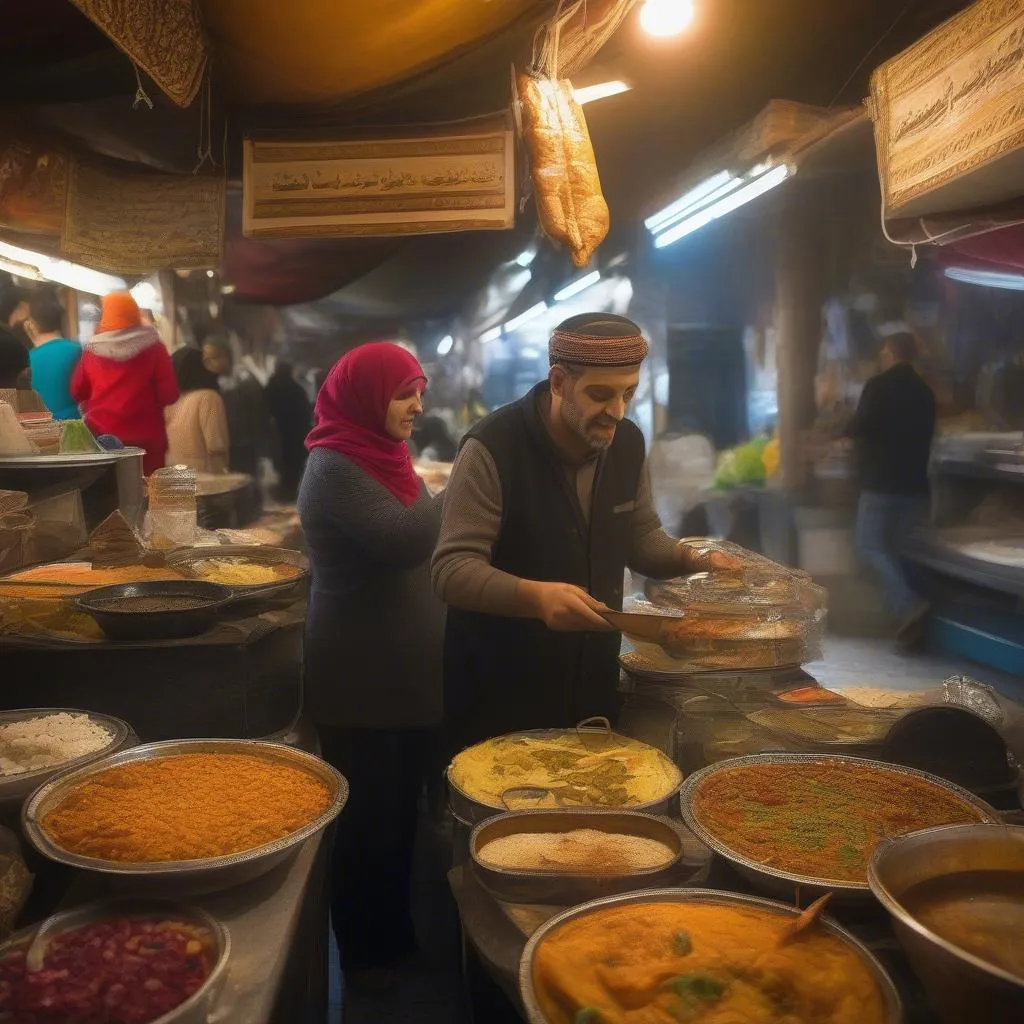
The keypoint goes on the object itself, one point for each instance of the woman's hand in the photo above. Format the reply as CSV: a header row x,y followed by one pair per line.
x,y
563,607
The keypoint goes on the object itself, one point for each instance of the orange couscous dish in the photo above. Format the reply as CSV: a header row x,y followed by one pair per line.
x,y
185,807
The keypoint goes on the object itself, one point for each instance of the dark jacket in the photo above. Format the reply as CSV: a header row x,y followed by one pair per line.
x,y
894,425
505,674
374,627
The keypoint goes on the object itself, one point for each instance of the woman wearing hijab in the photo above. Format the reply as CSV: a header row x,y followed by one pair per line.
x,y
125,380
197,425
373,637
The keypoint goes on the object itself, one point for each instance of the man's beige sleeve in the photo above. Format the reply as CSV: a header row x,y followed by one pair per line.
x,y
461,569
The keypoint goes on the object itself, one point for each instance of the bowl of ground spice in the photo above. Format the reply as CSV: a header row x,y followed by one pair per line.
x,y
117,961
186,816
38,743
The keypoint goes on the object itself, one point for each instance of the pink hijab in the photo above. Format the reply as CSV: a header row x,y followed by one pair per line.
x,y
351,411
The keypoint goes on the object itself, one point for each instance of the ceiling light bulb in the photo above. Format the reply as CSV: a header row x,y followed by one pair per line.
x,y
664,18
444,346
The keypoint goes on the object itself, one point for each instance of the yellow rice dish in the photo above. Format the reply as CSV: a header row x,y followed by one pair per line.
x,y
666,963
581,770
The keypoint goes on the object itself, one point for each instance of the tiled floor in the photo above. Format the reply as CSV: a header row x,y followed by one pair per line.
x,y
871,662
428,990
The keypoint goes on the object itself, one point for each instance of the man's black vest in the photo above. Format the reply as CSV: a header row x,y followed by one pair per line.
x,y
505,674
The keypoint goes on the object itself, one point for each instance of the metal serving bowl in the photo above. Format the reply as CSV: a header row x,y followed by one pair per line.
x,y
112,609
471,812
209,874
534,1014
565,888
962,987
195,1009
14,788
775,881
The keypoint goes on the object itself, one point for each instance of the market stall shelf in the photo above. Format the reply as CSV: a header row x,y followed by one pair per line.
x,y
185,876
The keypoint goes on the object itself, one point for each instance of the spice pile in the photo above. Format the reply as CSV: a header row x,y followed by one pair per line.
x,y
185,807
41,742
116,971
240,572
583,850
72,578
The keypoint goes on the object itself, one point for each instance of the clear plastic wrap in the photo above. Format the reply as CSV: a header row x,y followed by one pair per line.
x,y
746,613
756,589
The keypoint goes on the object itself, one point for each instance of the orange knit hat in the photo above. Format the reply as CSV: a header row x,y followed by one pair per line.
x,y
120,312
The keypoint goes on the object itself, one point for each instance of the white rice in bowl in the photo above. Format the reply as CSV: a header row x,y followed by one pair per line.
x,y
47,740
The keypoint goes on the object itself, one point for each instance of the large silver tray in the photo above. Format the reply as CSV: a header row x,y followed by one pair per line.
x,y
183,560
534,1014
195,1009
470,811
69,460
209,874
566,888
783,883
14,788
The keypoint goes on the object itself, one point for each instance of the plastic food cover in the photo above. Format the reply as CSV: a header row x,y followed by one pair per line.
x,y
751,613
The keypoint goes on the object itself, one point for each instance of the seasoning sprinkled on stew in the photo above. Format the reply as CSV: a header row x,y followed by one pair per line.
x,y
821,818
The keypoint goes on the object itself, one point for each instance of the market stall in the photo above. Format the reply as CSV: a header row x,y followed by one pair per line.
x,y
948,192
757,793
111,638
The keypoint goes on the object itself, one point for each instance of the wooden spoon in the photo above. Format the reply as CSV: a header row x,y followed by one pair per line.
x,y
806,920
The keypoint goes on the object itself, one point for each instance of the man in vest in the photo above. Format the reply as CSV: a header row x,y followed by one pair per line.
x,y
549,501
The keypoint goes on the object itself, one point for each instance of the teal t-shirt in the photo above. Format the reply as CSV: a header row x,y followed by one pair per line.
x,y
52,364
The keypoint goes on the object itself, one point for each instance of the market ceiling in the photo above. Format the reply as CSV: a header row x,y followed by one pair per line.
x,y
315,64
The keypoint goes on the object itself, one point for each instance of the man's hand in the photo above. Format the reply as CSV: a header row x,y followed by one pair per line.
x,y
563,607
696,561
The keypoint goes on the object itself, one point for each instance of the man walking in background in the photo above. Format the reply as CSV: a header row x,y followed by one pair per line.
x,y
893,429
53,357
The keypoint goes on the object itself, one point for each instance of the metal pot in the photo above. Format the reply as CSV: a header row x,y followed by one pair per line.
x,y
470,811
963,988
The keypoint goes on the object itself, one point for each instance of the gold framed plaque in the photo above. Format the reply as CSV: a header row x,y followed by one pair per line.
x,y
383,186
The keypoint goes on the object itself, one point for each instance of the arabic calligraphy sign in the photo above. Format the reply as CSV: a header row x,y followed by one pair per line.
x,y
411,186
949,114
138,222
164,37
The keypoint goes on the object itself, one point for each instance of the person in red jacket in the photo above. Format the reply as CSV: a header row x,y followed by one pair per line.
x,y
125,380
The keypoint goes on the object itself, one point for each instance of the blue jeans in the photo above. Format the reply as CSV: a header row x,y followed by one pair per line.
x,y
884,521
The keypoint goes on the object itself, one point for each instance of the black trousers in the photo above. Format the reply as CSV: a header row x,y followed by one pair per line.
x,y
372,860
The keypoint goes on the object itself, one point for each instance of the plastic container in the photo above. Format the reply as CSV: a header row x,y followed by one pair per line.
x,y
172,508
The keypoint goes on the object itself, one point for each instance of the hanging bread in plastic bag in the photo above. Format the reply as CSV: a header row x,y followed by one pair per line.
x,y
571,207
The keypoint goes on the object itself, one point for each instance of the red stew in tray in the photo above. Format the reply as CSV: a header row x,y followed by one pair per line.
x,y
122,970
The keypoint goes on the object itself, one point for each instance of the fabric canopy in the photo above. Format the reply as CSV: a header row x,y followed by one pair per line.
x,y
320,51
